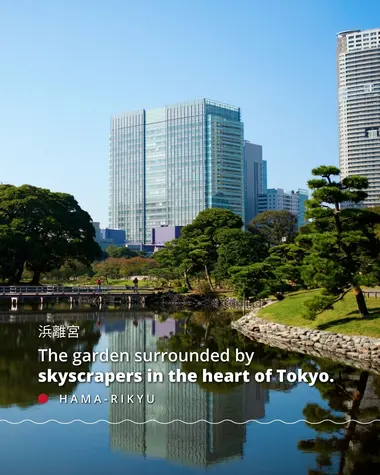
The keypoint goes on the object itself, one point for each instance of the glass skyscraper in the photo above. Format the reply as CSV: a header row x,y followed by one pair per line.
x,y
168,164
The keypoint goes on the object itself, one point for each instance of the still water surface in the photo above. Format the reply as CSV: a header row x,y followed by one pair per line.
x,y
154,448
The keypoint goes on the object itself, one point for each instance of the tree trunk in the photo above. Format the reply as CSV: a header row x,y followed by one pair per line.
x,y
187,281
15,280
360,300
354,415
208,278
207,332
36,278
186,325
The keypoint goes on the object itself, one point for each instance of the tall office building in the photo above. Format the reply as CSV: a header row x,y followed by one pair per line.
x,y
359,107
255,178
168,164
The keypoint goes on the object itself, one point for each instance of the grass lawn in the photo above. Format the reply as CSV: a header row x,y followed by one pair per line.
x,y
343,318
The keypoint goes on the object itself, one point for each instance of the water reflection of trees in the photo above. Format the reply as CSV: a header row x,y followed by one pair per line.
x,y
20,365
352,396
212,330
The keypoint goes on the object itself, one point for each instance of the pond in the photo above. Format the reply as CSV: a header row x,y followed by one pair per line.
x,y
161,446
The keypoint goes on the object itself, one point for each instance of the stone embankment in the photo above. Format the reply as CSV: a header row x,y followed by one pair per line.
x,y
196,301
358,351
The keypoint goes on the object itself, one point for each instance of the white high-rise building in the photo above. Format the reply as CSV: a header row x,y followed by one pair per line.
x,y
359,107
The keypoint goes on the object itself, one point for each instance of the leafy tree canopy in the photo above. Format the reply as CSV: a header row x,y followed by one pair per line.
x,y
210,221
120,251
40,229
237,247
286,260
113,268
180,257
274,226
342,244
202,233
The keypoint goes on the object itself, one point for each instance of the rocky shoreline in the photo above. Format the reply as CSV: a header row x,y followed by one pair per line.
x,y
196,301
358,351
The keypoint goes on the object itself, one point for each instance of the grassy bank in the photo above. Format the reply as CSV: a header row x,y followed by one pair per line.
x,y
343,318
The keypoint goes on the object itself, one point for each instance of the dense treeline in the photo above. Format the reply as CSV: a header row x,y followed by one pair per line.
x,y
40,231
45,235
338,250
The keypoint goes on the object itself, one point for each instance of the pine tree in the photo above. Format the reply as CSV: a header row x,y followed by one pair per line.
x,y
342,243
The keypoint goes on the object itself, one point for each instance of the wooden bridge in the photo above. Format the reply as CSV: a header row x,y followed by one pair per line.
x,y
74,294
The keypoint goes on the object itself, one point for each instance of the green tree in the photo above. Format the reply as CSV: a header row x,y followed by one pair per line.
x,y
119,251
275,227
137,266
202,236
169,260
71,269
113,268
176,261
255,281
286,261
237,247
376,209
343,249
108,269
40,230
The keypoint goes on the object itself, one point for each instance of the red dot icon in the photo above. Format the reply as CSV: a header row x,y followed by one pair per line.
x,y
43,398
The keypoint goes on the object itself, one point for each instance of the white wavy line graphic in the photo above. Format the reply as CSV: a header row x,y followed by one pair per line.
x,y
5,421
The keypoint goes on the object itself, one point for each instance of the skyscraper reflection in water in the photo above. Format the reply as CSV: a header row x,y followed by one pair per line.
x,y
198,444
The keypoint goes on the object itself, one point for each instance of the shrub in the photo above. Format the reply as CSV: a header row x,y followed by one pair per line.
x,y
181,290
204,288
316,305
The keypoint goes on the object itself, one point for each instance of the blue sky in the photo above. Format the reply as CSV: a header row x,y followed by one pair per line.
x,y
67,66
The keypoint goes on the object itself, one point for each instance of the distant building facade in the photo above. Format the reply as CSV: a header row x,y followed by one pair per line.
x,y
164,234
106,237
303,196
168,164
265,176
255,177
276,199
